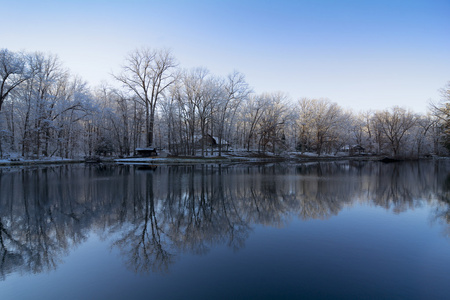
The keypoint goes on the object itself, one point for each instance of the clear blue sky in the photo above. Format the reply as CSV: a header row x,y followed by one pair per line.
x,y
360,54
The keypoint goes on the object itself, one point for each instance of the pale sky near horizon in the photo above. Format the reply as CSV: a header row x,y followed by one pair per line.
x,y
360,54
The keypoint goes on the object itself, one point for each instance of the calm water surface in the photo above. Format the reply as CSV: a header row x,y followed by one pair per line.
x,y
335,230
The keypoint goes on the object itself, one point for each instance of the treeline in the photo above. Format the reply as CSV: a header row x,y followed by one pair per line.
x,y
46,112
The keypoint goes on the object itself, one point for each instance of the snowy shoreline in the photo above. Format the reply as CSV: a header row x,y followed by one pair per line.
x,y
194,160
26,162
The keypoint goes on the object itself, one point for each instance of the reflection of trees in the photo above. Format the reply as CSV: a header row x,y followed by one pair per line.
x,y
444,196
144,242
442,215
35,227
203,212
442,206
156,214
402,186
393,189
144,245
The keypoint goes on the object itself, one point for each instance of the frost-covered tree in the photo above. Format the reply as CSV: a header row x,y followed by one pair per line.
x,y
394,125
147,73
13,72
421,135
43,112
320,124
197,96
441,112
250,115
201,110
359,130
235,91
273,121
172,112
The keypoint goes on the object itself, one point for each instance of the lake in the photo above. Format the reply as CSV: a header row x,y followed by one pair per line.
x,y
328,230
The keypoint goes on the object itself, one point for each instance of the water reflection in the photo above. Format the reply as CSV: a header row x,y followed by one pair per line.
x,y
154,214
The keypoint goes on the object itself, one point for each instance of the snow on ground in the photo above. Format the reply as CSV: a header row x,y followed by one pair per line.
x,y
47,160
237,155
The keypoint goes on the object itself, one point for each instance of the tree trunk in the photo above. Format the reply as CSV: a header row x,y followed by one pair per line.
x,y
151,126
2,127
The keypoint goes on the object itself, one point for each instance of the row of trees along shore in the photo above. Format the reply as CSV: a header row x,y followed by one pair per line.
x,y
47,112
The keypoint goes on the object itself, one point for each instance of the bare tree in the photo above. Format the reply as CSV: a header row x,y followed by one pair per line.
x,y
320,123
13,72
148,73
394,124
43,111
172,117
236,89
251,113
193,99
211,93
273,121
441,112
422,137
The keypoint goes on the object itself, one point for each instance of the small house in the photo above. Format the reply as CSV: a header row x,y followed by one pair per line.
x,y
146,152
